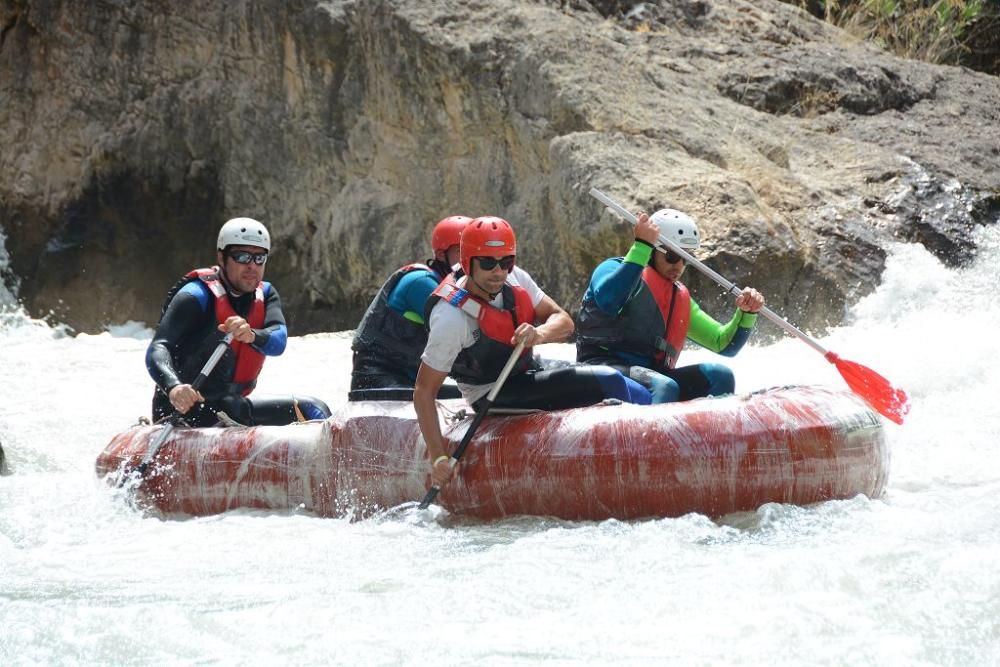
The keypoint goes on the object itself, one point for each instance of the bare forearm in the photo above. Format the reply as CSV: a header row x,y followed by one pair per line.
x,y
425,392
556,329
427,417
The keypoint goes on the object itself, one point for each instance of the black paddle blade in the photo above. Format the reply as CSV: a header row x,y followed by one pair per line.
x,y
429,498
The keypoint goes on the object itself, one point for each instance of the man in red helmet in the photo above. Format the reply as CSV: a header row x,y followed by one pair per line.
x,y
476,319
391,336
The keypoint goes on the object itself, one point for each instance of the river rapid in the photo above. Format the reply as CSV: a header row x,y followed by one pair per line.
x,y
911,578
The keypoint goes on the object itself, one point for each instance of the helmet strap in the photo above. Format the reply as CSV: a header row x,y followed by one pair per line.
x,y
224,277
439,266
472,277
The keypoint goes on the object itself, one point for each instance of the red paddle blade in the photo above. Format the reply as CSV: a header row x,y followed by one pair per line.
x,y
879,392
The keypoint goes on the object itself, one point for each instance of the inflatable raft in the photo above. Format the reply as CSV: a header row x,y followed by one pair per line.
x,y
713,456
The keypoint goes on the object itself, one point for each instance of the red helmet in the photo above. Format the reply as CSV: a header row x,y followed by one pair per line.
x,y
487,236
448,232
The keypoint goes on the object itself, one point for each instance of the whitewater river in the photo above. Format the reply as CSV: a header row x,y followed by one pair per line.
x,y
912,578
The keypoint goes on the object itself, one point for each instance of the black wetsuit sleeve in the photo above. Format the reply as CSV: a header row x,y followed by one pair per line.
x,y
183,317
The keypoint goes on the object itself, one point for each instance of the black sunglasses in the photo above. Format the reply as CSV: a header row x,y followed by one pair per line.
x,y
244,257
672,257
490,263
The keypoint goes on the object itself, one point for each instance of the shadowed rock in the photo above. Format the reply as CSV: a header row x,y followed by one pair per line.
x,y
132,130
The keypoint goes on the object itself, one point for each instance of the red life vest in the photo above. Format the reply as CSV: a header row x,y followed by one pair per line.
x,y
674,303
482,362
249,361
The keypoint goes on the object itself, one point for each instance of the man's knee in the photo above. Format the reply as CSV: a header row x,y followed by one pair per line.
x,y
662,389
237,408
312,408
721,379
615,385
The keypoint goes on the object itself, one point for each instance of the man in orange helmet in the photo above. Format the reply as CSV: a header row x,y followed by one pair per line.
x,y
391,336
476,319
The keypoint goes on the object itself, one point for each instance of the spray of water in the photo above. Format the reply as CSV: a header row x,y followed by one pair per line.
x,y
905,579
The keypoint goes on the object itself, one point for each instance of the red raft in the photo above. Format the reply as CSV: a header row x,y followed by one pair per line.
x,y
714,456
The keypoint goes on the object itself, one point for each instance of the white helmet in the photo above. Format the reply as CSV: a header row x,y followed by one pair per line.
x,y
677,227
244,231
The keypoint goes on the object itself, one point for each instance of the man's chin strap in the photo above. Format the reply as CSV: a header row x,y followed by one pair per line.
x,y
472,277
229,288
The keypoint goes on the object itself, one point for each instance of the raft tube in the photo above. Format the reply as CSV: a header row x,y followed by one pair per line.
x,y
713,456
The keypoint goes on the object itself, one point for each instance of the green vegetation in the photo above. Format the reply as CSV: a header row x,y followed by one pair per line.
x,y
951,32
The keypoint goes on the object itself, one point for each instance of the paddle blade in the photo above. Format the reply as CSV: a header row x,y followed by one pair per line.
x,y
879,392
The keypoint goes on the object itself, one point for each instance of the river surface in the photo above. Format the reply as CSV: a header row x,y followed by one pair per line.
x,y
912,578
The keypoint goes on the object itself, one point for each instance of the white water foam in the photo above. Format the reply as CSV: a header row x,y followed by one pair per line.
x,y
907,579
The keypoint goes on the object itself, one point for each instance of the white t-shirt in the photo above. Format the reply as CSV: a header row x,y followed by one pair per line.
x,y
452,330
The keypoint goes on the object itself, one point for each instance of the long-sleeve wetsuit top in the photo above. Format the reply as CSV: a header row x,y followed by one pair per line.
x,y
187,334
616,280
411,293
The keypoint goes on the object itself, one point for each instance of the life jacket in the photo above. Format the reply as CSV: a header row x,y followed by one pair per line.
x,y
385,336
653,323
248,361
482,362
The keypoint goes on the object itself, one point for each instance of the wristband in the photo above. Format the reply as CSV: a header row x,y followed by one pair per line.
x,y
443,457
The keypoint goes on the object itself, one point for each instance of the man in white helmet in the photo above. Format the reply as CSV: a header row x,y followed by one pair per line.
x,y
200,310
636,315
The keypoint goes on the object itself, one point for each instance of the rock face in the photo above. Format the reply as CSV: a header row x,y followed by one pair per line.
x,y
131,131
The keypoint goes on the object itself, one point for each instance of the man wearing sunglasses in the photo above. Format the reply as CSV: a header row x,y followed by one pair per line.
x,y
475,320
392,334
204,306
636,315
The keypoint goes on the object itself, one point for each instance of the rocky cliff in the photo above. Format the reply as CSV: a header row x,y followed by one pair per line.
x,y
132,130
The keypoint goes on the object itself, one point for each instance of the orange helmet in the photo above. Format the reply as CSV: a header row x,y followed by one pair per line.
x,y
448,232
487,236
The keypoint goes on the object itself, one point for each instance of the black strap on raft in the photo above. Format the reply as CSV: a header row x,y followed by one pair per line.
x,y
382,394
399,393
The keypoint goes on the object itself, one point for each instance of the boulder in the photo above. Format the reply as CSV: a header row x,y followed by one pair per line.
x,y
131,131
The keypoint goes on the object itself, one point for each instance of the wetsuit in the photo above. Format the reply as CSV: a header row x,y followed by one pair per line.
x,y
634,320
470,340
186,337
391,336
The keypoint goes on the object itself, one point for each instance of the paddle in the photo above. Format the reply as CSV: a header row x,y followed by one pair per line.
x,y
476,421
175,417
879,392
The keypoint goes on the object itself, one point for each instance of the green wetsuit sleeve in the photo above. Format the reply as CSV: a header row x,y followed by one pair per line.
x,y
726,339
639,253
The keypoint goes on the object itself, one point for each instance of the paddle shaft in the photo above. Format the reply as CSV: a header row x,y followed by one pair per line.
x,y
477,420
168,428
727,285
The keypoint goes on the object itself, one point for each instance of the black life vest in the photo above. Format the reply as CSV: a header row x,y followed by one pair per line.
x,y
385,337
654,323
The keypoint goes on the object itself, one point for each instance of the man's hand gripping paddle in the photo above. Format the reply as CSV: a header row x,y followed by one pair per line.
x,y
173,420
477,420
